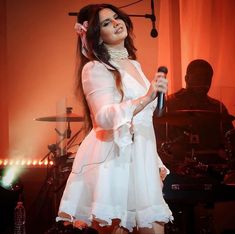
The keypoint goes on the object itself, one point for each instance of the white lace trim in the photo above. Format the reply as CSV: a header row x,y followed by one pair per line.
x,y
129,219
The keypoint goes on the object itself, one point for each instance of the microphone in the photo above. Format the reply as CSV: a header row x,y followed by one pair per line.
x,y
154,32
160,95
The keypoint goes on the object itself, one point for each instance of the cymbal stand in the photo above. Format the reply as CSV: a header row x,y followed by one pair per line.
x,y
52,181
54,147
69,145
193,141
73,138
52,177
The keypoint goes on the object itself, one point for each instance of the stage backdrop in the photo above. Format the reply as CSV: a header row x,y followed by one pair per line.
x,y
37,63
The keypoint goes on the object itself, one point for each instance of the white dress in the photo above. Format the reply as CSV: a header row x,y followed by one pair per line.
x,y
115,173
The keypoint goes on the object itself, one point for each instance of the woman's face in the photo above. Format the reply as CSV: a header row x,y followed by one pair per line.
x,y
113,30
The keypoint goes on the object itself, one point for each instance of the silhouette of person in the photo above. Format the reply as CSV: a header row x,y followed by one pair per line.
x,y
195,124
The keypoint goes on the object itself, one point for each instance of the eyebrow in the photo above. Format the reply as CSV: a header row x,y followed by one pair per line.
x,y
108,19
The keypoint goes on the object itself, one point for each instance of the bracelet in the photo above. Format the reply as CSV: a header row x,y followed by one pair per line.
x,y
141,103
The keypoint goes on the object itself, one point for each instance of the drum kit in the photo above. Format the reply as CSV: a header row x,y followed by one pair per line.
x,y
199,176
191,163
183,153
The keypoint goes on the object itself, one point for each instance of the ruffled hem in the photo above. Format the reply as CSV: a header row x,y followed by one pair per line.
x,y
129,219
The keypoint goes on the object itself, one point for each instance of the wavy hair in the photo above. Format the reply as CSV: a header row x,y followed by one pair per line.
x,y
97,51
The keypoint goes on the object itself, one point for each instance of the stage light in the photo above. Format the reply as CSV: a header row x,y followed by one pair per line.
x,y
22,163
9,177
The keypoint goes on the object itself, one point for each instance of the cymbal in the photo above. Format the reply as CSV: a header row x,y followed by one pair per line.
x,y
69,117
183,117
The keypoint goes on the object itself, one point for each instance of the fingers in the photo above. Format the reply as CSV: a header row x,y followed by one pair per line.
x,y
163,173
160,75
160,84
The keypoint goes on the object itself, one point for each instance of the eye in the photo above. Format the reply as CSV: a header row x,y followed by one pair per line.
x,y
116,16
106,24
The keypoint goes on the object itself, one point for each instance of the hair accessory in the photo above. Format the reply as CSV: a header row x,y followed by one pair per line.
x,y
81,30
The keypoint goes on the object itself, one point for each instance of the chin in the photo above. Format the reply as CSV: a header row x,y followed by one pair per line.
x,y
118,41
125,34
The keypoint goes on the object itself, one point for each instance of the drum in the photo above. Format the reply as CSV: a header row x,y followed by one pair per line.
x,y
229,178
230,144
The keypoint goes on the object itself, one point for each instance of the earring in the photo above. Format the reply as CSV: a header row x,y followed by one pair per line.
x,y
100,41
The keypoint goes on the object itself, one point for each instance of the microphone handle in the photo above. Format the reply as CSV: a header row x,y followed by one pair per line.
x,y
160,100
161,96
160,104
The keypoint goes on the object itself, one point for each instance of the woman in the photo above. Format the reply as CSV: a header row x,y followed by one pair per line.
x,y
116,179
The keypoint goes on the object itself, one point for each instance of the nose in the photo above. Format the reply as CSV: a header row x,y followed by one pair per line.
x,y
115,22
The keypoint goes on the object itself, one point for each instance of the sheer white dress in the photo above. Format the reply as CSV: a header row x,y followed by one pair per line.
x,y
115,173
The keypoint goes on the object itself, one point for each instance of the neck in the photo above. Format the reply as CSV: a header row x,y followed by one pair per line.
x,y
117,46
117,53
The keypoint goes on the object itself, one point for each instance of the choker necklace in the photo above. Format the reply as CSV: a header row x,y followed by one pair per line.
x,y
118,54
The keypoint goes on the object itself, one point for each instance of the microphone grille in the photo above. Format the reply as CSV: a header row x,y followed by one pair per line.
x,y
154,33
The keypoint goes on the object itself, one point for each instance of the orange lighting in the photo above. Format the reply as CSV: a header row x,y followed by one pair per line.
x,y
25,163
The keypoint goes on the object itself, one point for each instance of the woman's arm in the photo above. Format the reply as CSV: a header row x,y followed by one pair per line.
x,y
100,91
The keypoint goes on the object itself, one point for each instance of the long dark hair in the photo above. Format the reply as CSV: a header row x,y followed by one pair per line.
x,y
97,51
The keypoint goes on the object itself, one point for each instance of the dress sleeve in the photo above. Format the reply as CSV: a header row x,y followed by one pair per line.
x,y
104,102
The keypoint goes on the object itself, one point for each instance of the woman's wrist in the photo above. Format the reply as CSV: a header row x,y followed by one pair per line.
x,y
145,100
141,103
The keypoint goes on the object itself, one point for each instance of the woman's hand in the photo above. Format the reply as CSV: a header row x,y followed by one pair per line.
x,y
163,173
158,84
